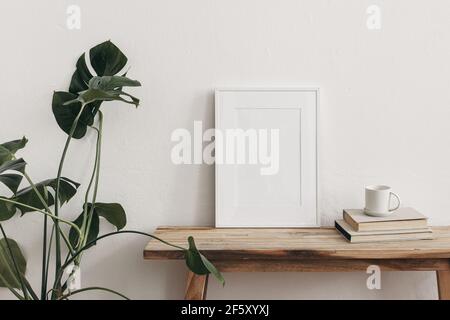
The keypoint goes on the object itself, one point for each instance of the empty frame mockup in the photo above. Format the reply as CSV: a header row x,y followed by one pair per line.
x,y
266,157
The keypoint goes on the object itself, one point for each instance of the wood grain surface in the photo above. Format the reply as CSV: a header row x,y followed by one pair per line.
x,y
443,281
196,286
291,244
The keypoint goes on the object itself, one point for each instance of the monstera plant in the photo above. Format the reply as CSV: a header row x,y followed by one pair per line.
x,y
78,113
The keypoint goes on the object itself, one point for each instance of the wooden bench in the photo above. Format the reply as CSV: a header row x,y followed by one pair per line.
x,y
301,250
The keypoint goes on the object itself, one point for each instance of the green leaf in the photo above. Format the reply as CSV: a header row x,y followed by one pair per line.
x,y
5,155
81,76
8,149
134,100
199,264
112,82
13,165
7,270
194,260
212,269
93,230
107,88
7,210
65,115
91,95
29,197
11,180
112,212
67,190
107,59
15,145
96,95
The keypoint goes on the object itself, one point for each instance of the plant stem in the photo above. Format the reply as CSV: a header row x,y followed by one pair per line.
x,y
58,181
90,243
30,289
44,275
50,241
44,238
66,240
86,197
13,259
45,213
33,186
92,288
97,178
13,291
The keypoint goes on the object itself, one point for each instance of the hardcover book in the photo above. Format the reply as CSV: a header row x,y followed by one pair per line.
x,y
379,236
403,218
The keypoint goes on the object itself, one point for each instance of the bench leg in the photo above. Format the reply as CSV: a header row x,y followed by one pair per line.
x,y
196,286
443,282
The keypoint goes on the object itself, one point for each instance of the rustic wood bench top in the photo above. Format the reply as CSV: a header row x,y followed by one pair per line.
x,y
301,249
220,244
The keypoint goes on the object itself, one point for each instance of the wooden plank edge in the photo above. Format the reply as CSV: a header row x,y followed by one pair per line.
x,y
339,265
299,254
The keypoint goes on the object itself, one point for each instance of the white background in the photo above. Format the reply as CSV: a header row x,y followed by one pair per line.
x,y
384,118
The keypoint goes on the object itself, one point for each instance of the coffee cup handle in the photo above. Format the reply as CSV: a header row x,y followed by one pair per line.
x,y
398,201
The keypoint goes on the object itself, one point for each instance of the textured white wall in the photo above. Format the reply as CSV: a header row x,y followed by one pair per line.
x,y
383,118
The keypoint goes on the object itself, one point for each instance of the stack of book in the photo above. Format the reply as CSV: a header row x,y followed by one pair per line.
x,y
402,224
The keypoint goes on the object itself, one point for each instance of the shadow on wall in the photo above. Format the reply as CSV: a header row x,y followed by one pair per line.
x,y
194,184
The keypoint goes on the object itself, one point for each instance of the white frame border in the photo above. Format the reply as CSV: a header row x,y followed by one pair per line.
x,y
315,89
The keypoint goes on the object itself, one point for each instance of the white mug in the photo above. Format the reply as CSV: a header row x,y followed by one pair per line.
x,y
378,201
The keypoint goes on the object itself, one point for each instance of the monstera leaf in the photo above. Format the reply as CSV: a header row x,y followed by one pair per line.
x,y
112,212
7,162
5,155
81,76
7,210
107,88
199,264
15,145
8,149
12,180
13,165
93,229
107,60
8,275
67,189
7,152
65,114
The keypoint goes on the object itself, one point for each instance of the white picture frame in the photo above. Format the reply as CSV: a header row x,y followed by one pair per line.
x,y
245,197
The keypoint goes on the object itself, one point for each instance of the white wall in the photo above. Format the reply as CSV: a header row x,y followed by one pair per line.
x,y
383,118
